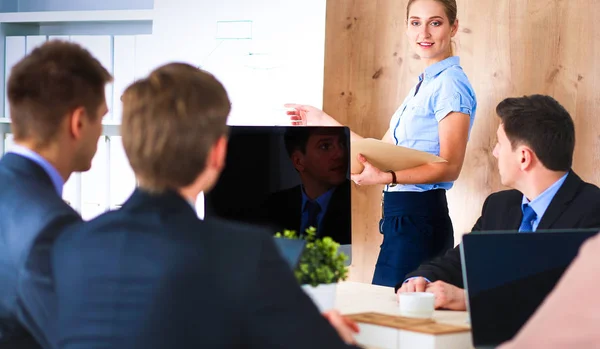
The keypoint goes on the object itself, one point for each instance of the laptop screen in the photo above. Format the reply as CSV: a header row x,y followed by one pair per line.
x,y
271,171
507,276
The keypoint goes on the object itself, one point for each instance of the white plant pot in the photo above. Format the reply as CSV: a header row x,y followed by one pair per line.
x,y
323,295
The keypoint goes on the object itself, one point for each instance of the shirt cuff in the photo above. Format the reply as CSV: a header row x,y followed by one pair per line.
x,y
450,105
414,277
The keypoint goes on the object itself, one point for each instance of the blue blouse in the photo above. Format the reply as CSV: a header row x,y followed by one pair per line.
x,y
442,89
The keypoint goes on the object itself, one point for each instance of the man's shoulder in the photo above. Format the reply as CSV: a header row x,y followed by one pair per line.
x,y
509,196
285,193
279,200
234,229
343,189
30,198
177,230
212,243
589,191
12,183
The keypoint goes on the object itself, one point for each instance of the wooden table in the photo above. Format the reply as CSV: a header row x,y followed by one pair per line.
x,y
354,297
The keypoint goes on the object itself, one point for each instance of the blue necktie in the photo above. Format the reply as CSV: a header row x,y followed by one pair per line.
x,y
529,216
313,209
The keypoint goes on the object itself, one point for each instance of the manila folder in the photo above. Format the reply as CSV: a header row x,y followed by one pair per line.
x,y
386,156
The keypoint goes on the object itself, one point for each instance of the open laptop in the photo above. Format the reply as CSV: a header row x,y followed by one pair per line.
x,y
508,274
291,250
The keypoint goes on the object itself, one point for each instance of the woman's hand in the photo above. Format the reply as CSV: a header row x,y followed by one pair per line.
x,y
306,115
370,174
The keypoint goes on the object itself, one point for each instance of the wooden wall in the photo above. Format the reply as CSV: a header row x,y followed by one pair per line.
x,y
507,48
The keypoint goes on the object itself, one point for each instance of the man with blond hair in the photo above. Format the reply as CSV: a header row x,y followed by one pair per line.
x,y
152,275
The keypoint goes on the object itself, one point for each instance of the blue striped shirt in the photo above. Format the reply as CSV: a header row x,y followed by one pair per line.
x,y
444,88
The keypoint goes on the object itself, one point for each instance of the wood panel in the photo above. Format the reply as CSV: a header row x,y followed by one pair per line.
x,y
507,48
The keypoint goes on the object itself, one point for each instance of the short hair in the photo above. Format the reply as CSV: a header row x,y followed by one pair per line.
x,y
49,83
296,138
171,120
541,123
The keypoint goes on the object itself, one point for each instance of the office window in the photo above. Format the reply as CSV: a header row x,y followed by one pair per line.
x,y
108,183
8,142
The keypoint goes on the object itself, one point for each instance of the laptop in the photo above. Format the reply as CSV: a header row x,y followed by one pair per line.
x,y
508,274
291,250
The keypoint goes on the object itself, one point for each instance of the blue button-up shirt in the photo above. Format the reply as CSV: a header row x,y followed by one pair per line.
x,y
444,88
55,177
541,202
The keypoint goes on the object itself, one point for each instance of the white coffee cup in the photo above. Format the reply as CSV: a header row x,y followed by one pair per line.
x,y
416,304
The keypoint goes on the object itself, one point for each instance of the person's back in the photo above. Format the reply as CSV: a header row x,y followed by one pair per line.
x,y
30,207
152,275
55,133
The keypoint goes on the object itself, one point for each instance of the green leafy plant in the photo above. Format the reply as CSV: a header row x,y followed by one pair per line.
x,y
320,263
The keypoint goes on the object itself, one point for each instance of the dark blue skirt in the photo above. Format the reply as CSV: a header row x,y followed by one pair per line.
x,y
416,227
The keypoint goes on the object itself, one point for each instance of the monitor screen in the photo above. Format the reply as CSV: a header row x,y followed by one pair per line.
x,y
508,275
286,177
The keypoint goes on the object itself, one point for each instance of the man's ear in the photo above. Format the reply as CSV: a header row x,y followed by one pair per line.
x,y
218,154
76,121
527,158
298,160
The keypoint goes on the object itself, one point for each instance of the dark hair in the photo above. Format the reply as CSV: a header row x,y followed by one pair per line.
x,y
296,138
53,80
449,7
541,123
178,110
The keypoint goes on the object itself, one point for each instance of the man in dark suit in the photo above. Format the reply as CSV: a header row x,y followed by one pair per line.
x,y
56,97
152,275
320,155
536,139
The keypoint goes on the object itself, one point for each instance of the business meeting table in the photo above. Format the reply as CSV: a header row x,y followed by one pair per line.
x,y
358,298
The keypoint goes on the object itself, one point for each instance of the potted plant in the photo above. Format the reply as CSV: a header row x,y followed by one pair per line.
x,y
321,266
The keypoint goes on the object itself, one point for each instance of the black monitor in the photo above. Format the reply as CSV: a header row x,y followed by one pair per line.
x,y
507,275
271,171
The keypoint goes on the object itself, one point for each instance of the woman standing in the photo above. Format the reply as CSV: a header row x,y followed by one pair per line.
x,y
436,117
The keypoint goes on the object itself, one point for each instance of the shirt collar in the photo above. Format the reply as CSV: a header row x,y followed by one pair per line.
x,y
541,202
55,177
322,200
436,68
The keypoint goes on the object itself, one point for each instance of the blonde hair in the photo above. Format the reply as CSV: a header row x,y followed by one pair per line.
x,y
171,120
449,7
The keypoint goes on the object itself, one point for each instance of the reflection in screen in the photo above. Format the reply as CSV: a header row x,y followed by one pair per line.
x,y
286,178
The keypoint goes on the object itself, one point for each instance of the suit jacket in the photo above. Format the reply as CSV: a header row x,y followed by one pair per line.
x,y
575,205
31,214
152,275
283,211
568,317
